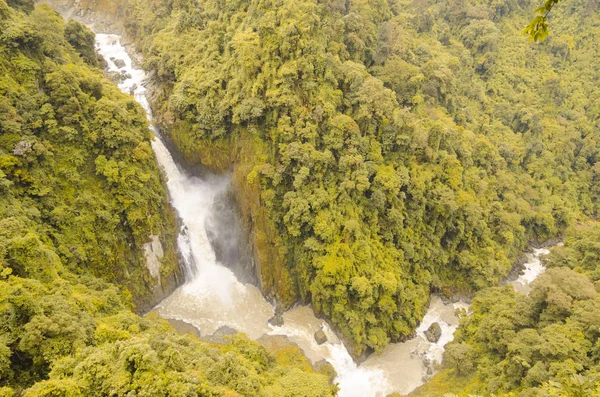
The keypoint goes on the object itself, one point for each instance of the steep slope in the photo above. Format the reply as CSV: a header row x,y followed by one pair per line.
x,y
80,182
381,149
80,196
543,344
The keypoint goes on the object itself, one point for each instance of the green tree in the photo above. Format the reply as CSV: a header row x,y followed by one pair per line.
x,y
537,29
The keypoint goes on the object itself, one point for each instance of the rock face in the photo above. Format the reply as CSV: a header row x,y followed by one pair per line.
x,y
320,337
276,320
266,243
153,251
161,287
433,333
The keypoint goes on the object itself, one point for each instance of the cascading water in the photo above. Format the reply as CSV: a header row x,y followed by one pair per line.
x,y
533,268
213,297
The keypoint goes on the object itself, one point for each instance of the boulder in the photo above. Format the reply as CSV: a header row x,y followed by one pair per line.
x,y
320,337
276,320
184,328
115,77
119,63
219,336
433,333
224,331
276,343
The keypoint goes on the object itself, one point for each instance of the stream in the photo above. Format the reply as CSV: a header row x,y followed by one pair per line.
x,y
212,295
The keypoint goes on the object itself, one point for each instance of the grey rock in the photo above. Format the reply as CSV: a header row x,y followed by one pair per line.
x,y
434,333
224,331
115,77
276,320
276,342
184,328
219,336
320,337
119,63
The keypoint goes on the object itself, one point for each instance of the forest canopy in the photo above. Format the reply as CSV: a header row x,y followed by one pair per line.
x,y
544,344
80,194
537,29
396,147
389,148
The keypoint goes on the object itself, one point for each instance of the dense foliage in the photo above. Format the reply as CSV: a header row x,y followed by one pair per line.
x,y
80,186
537,29
581,252
131,356
399,146
80,194
76,336
543,344
395,147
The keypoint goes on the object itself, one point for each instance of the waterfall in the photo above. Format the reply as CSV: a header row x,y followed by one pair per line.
x,y
213,297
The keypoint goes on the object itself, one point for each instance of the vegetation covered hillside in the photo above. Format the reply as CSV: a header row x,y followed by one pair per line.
x,y
543,344
382,149
80,194
80,187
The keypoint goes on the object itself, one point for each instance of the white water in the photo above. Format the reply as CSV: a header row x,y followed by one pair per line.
x,y
533,268
212,296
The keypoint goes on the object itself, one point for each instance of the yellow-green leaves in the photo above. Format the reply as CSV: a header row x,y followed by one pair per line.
x,y
537,29
425,138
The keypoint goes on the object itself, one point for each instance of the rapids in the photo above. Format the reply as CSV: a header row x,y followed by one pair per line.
x,y
533,268
213,297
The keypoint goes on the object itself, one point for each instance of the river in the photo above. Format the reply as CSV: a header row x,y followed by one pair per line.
x,y
212,296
